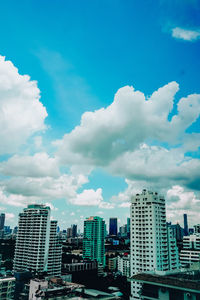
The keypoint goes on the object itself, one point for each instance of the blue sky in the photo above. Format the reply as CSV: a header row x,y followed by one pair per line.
x,y
81,53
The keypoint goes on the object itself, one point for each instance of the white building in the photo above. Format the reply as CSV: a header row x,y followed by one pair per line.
x,y
35,286
37,247
149,236
191,250
123,265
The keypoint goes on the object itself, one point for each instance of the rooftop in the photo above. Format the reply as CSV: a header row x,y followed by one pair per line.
x,y
189,281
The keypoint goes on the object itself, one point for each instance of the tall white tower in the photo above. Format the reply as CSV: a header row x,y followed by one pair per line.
x,y
37,247
149,247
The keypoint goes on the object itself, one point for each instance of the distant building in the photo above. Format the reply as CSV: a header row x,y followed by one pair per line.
x,y
178,232
80,266
37,246
113,226
191,250
185,224
123,265
197,228
94,239
2,221
128,227
69,232
123,230
74,230
112,263
191,231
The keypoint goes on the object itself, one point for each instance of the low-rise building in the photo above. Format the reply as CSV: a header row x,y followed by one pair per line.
x,y
191,250
174,286
123,265
112,263
7,288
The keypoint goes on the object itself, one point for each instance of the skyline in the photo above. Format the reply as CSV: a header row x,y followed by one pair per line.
x,y
110,106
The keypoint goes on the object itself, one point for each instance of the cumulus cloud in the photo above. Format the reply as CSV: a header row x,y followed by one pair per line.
x,y
24,190
13,199
105,134
9,216
185,34
106,205
38,165
125,204
50,188
52,207
135,138
21,112
88,197
157,165
180,201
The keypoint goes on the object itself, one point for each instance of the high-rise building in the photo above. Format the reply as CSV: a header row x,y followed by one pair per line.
x,y
37,247
69,232
123,230
94,239
185,224
113,226
74,230
2,221
149,237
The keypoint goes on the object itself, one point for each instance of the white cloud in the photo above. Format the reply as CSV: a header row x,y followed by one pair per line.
x,y
72,214
13,199
38,165
9,216
105,134
52,207
185,34
134,137
21,112
106,205
180,201
157,165
23,190
88,198
50,188
125,204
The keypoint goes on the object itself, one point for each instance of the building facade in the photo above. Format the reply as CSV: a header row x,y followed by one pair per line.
x,y
94,239
185,221
37,247
113,226
123,265
191,250
149,236
197,228
173,262
2,221
7,288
